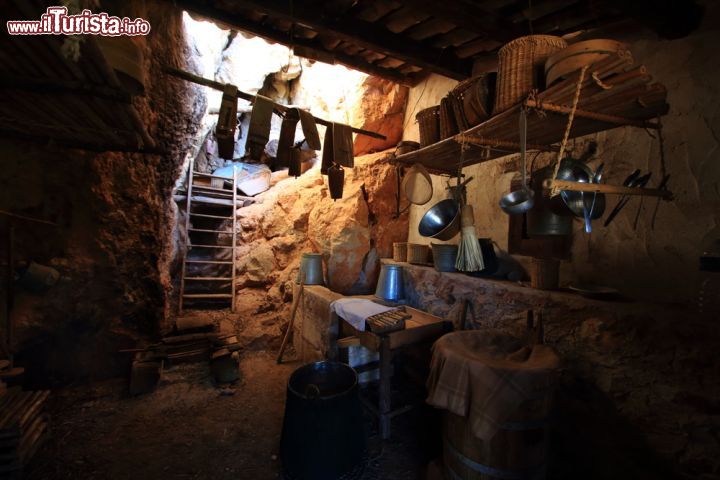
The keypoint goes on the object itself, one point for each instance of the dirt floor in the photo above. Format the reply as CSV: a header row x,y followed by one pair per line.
x,y
190,429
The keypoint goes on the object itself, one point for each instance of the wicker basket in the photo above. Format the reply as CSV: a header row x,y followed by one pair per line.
x,y
448,125
473,100
429,123
400,250
417,253
521,68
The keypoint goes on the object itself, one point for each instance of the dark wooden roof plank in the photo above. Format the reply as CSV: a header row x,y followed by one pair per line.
x,y
404,18
375,10
455,38
429,28
470,15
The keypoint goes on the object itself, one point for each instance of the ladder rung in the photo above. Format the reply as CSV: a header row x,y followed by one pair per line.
x,y
208,231
209,175
205,215
212,246
208,279
208,295
212,189
216,262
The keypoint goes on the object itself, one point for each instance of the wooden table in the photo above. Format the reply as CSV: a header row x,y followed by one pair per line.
x,y
419,328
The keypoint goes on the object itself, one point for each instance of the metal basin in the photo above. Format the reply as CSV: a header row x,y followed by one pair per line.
x,y
442,221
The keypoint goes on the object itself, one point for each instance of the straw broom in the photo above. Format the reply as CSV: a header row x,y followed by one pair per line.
x,y
469,258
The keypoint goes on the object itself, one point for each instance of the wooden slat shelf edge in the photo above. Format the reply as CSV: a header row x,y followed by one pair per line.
x,y
607,189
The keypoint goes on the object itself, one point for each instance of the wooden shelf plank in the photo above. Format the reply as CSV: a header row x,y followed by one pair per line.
x,y
614,94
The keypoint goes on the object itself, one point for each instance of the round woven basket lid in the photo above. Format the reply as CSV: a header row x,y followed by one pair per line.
x,y
417,185
574,57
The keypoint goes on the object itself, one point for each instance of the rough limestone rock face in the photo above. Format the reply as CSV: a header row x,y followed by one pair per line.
x,y
354,98
381,109
297,216
340,230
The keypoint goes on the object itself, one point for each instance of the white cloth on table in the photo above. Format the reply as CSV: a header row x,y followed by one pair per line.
x,y
356,310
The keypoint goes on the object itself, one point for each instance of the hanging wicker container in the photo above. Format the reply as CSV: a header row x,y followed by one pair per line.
x,y
473,100
521,66
400,251
417,253
448,124
429,124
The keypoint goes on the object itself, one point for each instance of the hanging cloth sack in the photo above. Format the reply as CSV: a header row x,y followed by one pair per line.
x,y
227,122
287,137
309,128
343,145
259,131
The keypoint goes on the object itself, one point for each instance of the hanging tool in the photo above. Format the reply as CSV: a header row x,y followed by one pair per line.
x,y
293,314
638,182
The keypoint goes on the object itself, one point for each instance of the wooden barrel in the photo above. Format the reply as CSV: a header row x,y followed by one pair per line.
x,y
517,451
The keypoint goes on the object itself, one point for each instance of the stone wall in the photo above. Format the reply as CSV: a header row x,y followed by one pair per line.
x,y
114,243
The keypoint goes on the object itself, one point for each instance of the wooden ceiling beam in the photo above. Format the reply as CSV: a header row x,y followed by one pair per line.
x,y
310,47
368,35
469,15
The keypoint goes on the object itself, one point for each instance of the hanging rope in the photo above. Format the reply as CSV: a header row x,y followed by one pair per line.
x,y
555,191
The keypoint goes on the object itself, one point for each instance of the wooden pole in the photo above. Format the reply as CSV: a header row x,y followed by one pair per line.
x,y
607,189
191,77
293,313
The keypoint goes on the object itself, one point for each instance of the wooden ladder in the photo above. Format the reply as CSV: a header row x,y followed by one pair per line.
x,y
216,197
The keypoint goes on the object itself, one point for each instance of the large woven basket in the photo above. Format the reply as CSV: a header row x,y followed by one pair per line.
x,y
521,66
429,124
448,124
473,100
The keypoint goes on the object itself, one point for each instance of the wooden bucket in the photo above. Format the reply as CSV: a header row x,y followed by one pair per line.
x,y
545,273
576,56
429,125
400,251
417,253
517,451
520,68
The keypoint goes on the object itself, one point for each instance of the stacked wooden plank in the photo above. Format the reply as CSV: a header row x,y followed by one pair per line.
x,y
614,92
23,426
